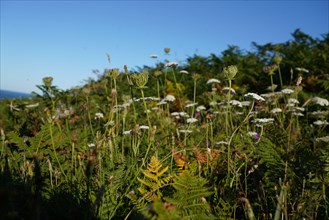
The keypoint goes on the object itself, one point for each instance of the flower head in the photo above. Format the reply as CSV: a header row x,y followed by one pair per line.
x,y
184,71
254,96
47,81
191,120
169,98
99,115
230,71
287,91
210,81
171,64
320,101
141,79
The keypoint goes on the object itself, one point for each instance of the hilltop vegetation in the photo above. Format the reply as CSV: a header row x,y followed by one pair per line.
x,y
240,135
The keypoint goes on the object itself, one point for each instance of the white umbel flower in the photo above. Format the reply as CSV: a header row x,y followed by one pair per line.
x,y
185,131
210,81
171,64
276,110
143,127
99,115
319,122
184,72
191,105
200,108
226,89
320,101
324,139
236,103
191,120
287,91
254,96
170,98
263,120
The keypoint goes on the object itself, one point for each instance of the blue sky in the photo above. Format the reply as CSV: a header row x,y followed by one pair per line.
x,y
69,39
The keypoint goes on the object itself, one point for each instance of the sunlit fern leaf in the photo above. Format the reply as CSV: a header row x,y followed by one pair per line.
x,y
154,179
107,196
14,138
190,197
180,160
271,155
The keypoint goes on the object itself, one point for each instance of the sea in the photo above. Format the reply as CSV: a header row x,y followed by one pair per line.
x,y
5,94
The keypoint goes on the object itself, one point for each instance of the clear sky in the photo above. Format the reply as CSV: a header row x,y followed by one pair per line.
x,y
69,39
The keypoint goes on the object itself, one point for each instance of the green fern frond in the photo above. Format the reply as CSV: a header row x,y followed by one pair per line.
x,y
17,140
271,155
190,197
154,177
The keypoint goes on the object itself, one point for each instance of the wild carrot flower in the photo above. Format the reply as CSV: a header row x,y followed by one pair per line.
x,y
319,122
263,120
191,105
300,69
245,103
276,110
222,143
320,113
126,132
163,102
184,72
99,115
298,114
320,101
91,145
293,101
324,139
236,103
191,120
210,81
287,91
143,127
226,89
200,108
171,64
254,96
32,105
185,131
170,98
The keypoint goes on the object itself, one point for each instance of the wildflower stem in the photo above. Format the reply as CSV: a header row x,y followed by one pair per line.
x,y
281,84
89,118
54,149
147,113
194,97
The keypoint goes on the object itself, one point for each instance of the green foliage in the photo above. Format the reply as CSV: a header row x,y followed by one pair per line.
x,y
161,143
189,198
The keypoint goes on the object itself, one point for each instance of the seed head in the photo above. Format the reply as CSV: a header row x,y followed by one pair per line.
x,y
47,81
166,50
230,71
113,73
277,60
270,69
141,79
